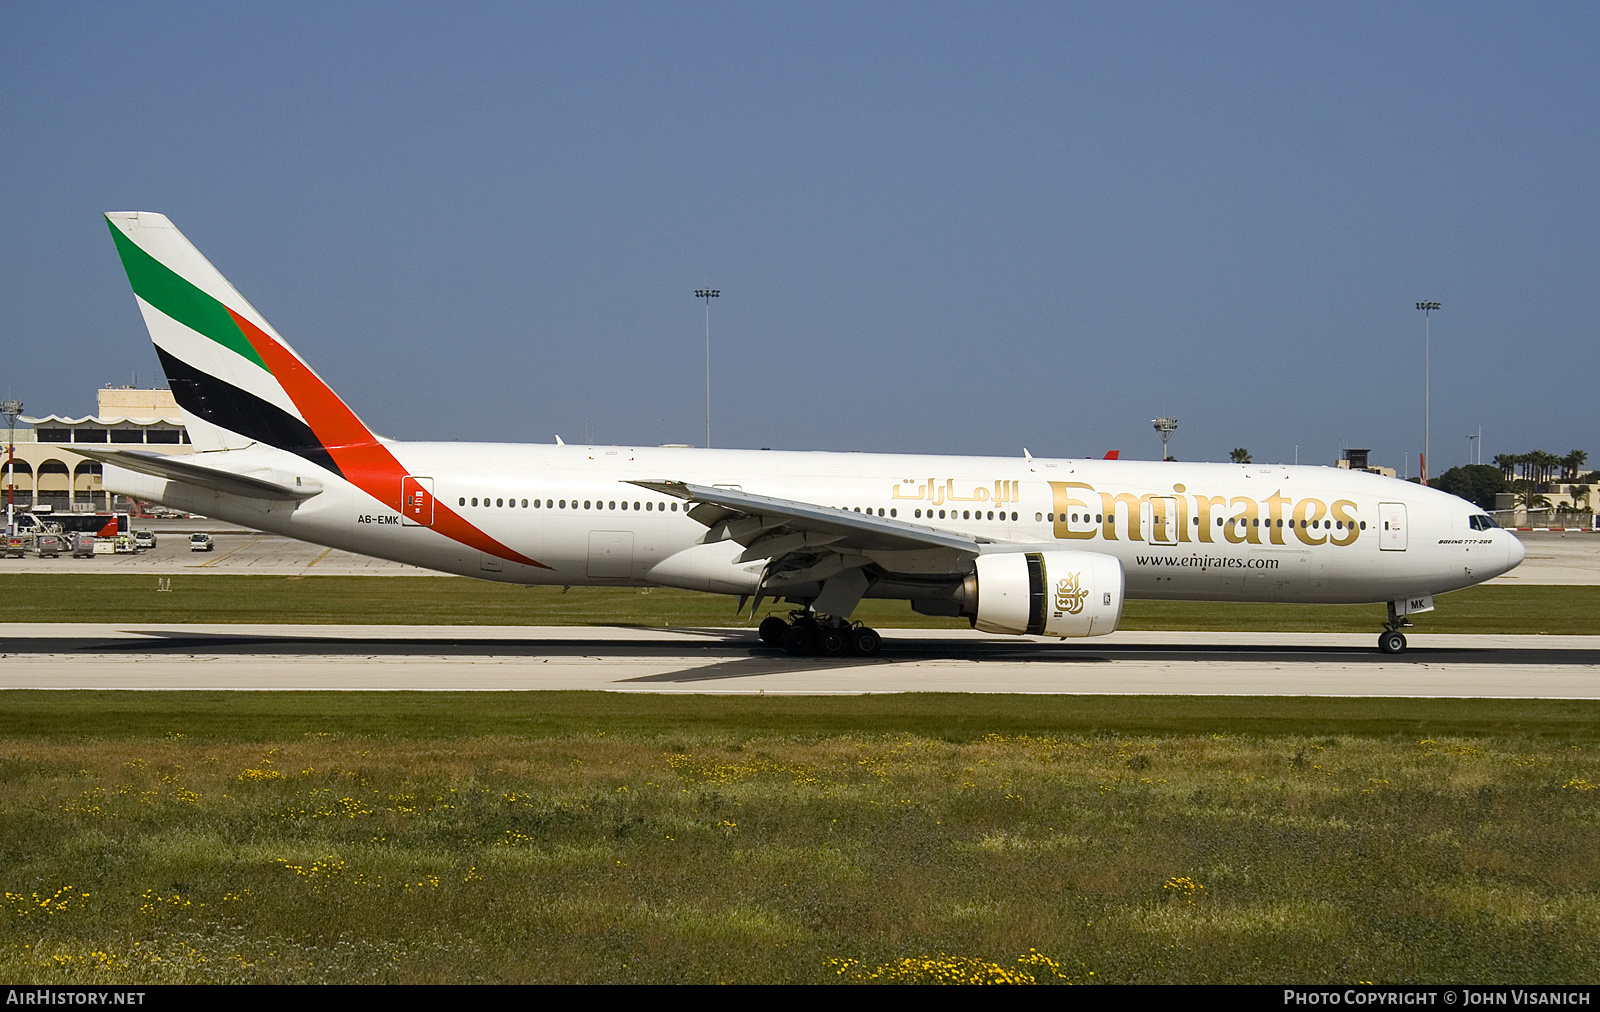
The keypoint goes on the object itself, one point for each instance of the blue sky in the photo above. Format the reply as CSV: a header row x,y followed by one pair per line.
x,y
936,227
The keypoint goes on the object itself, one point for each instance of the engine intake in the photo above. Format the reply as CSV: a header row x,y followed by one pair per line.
x,y
1045,593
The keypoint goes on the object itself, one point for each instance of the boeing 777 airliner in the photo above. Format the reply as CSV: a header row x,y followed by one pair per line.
x,y
1028,545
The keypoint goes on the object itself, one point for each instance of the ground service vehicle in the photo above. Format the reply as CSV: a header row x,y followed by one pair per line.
x,y
104,525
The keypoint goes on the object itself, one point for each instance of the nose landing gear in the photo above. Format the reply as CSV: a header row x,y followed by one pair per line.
x,y
1392,640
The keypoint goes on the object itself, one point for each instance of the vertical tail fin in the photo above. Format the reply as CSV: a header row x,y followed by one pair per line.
x,y
237,381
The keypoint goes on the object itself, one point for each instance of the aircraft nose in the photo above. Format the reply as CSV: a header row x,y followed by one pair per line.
x,y
1516,551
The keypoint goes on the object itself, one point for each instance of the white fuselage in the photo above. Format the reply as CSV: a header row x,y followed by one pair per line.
x,y
1234,532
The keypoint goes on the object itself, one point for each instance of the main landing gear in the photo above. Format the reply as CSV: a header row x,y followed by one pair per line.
x,y
808,634
1392,640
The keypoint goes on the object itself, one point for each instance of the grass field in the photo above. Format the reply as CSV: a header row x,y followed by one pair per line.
x,y
445,837
359,600
281,837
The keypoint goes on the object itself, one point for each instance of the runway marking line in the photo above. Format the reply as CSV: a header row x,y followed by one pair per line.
x,y
224,555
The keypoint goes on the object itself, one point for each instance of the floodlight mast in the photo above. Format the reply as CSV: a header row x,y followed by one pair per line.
x,y
708,294
11,409
1165,426
1427,409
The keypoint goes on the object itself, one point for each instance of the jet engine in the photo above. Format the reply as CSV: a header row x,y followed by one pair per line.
x,y
1045,593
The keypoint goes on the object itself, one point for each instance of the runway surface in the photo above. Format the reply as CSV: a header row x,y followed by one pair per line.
x,y
431,658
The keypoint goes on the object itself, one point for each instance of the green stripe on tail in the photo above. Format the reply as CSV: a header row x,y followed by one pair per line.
x,y
159,285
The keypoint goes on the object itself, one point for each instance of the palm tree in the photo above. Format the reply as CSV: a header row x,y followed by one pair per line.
x,y
1541,463
1240,456
1524,462
1572,463
1580,496
1528,495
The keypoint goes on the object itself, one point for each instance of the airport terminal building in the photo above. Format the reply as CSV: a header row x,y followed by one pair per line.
x,y
46,472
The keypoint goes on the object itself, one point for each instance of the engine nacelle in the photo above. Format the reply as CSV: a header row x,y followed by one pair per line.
x,y
1046,593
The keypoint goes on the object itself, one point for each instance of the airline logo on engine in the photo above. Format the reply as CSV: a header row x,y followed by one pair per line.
x,y
1070,594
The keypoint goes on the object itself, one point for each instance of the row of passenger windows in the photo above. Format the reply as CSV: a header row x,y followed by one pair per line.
x,y
612,504
954,514
1329,525
970,515
563,504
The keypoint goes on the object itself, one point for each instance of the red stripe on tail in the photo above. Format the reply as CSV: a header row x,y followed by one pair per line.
x,y
366,463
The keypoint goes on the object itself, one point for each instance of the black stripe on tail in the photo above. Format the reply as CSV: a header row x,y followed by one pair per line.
x,y
225,405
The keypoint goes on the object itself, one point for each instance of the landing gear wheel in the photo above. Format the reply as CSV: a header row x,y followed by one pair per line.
x,y
831,641
1392,642
771,630
800,640
865,642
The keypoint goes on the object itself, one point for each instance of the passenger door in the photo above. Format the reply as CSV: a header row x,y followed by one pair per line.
x,y
416,501
1160,520
1392,536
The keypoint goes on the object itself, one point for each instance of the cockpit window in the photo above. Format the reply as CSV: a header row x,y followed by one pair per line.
x,y
1483,522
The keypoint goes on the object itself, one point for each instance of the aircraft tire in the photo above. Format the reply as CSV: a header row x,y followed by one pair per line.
x,y
771,630
832,642
800,640
865,642
1392,642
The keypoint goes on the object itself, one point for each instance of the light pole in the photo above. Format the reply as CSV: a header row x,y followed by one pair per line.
x,y
1472,443
11,409
708,294
1427,408
1165,426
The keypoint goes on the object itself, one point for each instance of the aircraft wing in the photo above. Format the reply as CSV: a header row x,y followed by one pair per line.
x,y
175,469
786,524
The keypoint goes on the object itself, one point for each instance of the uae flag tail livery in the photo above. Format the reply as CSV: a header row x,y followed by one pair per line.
x,y
237,381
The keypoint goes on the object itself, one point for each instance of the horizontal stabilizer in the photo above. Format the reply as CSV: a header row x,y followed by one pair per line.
x,y
175,469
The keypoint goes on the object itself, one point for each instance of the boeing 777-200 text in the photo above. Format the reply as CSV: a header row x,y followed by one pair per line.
x,y
1027,545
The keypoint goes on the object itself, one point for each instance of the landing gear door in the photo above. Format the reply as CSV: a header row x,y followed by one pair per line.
x,y
1392,533
416,501
1160,520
